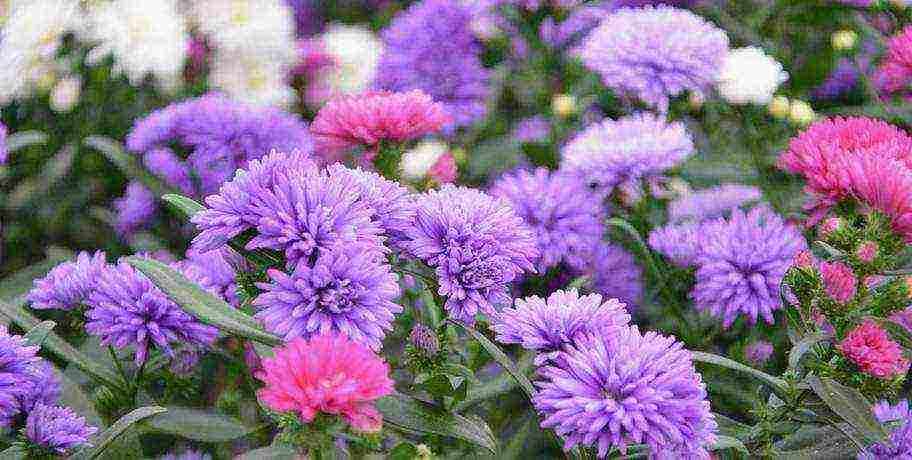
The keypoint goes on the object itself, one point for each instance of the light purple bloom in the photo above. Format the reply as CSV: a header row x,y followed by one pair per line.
x,y
163,163
758,352
614,273
68,284
42,386
741,263
713,202
4,153
17,363
572,29
431,47
532,129
549,326
134,210
900,446
679,243
57,429
565,217
476,244
346,289
627,388
624,151
216,271
655,53
392,203
128,310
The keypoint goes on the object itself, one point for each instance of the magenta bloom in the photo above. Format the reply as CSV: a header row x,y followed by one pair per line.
x,y
69,284
444,170
867,251
839,281
328,374
548,326
870,348
894,73
885,185
370,118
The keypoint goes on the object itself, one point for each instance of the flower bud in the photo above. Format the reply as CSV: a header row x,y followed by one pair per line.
x,y
563,105
779,107
844,40
65,94
804,259
424,340
801,113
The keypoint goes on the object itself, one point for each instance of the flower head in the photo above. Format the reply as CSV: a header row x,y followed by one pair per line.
x,y
430,46
328,374
127,309
345,290
884,185
57,429
870,348
390,200
750,76
549,326
655,53
758,352
215,271
17,363
900,445
134,210
623,151
867,251
476,244
713,202
368,119
613,273
565,217
41,386
424,340
68,284
679,243
627,388
4,153
741,263
839,281
353,53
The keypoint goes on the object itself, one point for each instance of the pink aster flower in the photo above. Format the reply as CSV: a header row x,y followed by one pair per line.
x,y
884,185
899,47
804,259
871,349
829,226
369,118
839,281
444,170
330,374
867,252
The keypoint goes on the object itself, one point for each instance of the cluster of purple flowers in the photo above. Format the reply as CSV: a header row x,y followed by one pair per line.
x,y
195,145
900,445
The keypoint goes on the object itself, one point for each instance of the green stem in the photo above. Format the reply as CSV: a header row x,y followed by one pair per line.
x,y
387,160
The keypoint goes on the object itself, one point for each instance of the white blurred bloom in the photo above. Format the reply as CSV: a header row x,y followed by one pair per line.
x,y
65,94
263,25
144,37
355,52
750,76
416,162
252,78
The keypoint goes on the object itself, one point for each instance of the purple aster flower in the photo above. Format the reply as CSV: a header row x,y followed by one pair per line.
x,y
679,243
549,326
4,153
900,445
57,429
17,363
614,273
477,245
216,271
655,53
430,47
741,263
42,386
163,163
758,352
68,284
345,290
134,210
713,202
532,129
307,18
571,30
624,151
127,309
391,202
627,388
565,217
230,211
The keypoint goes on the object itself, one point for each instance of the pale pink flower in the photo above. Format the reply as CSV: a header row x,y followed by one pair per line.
x,y
328,374
444,170
871,349
839,281
369,118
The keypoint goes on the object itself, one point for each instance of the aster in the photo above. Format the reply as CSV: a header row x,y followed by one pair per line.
x,y
4,152
431,47
655,53
549,326
345,290
565,217
390,200
712,202
624,151
627,388
370,118
328,374
69,284
57,429
758,352
884,185
476,244
613,273
134,210
424,341
870,348
900,445
126,309
17,361
679,243
216,271
741,263
41,386
839,281
163,163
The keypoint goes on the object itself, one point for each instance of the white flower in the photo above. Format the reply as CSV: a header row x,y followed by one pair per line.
x,y
750,76
144,37
416,162
65,94
252,78
355,52
263,25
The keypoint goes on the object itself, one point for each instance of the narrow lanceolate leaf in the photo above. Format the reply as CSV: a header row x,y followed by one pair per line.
x,y
22,139
201,304
126,162
270,453
804,345
413,416
56,345
497,386
107,437
13,453
188,207
776,384
198,425
849,404
14,287
38,334
501,358
731,427
728,442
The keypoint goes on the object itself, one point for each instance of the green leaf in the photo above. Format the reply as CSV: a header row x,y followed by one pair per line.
x,y
38,334
413,416
816,436
13,453
644,248
776,384
501,384
56,345
201,304
126,162
834,253
107,437
403,451
19,283
804,345
731,427
188,207
270,453
728,442
198,425
22,139
849,404
501,358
